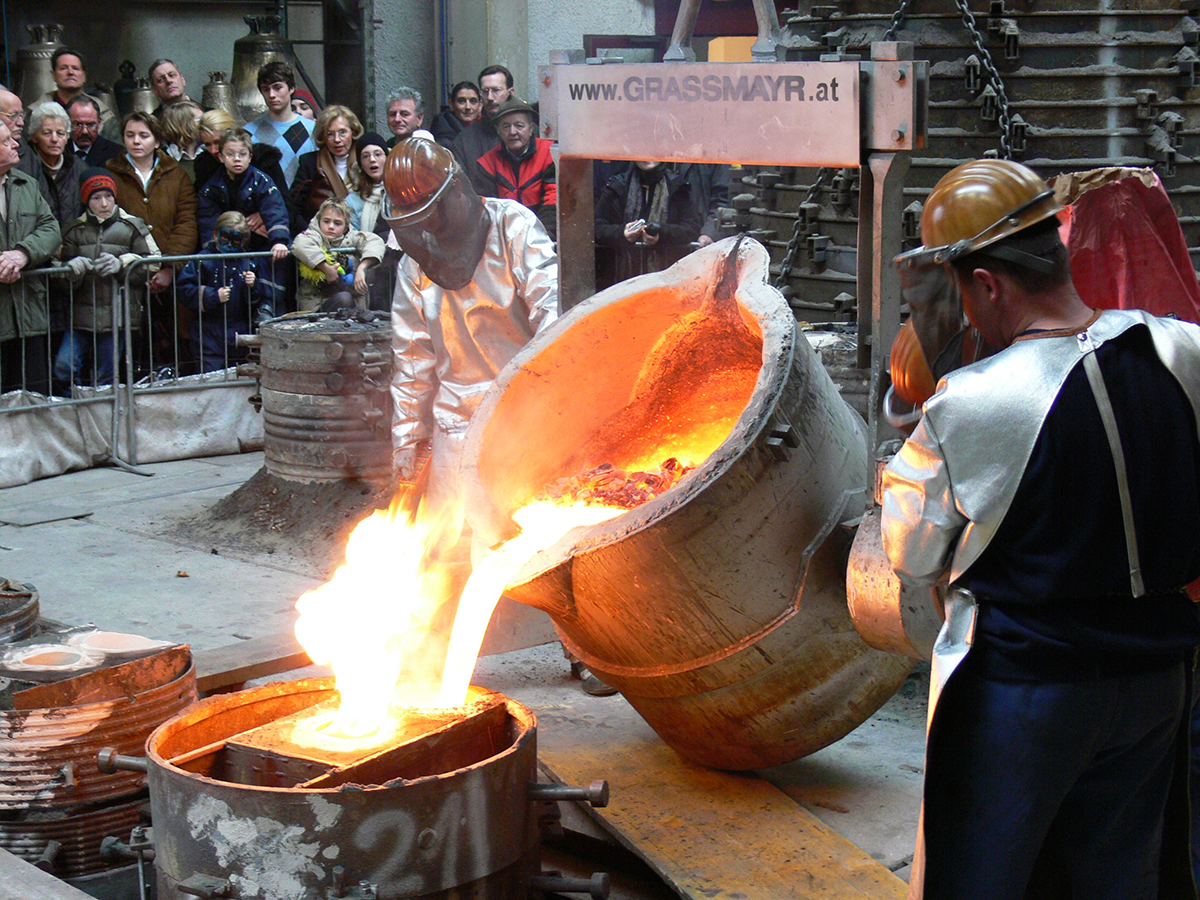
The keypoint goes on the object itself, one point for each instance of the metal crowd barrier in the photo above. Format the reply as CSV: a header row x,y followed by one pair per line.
x,y
160,345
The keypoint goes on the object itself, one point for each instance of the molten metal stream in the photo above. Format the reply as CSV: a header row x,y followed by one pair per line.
x,y
543,524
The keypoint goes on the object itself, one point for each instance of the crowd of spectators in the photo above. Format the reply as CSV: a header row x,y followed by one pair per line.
x,y
182,169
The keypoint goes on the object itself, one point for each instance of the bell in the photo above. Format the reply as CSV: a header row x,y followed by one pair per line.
x,y
218,94
103,93
142,98
124,88
36,73
262,45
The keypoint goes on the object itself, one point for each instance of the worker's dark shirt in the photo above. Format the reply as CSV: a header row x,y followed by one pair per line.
x,y
1053,584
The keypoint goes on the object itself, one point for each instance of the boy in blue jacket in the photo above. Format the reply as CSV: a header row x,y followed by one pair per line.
x,y
240,187
231,296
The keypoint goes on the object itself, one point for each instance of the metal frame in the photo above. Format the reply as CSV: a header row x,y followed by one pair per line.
x,y
889,107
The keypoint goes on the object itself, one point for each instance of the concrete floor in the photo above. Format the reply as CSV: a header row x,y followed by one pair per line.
x,y
101,547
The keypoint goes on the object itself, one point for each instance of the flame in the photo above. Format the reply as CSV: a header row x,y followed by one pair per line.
x,y
379,612
376,613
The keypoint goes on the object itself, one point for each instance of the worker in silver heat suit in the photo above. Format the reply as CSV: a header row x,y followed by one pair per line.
x,y
1054,489
479,278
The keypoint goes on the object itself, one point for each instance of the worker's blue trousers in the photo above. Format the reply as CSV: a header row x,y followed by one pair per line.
x,y
1082,767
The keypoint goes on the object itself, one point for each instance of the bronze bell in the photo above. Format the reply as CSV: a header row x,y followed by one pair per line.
x,y
37,78
142,98
124,88
104,94
218,94
251,52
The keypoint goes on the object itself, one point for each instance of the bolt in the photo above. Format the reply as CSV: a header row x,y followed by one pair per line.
x,y
546,80
898,134
899,75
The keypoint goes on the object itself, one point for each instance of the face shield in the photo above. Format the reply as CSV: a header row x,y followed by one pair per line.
x,y
434,212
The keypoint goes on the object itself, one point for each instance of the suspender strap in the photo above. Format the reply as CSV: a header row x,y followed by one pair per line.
x,y
1104,403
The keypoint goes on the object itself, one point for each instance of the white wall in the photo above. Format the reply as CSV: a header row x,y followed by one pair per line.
x,y
554,25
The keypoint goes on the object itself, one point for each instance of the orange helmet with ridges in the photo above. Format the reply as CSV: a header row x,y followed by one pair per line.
x,y
978,204
416,173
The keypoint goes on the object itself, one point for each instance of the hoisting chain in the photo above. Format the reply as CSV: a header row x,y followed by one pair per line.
x,y
793,245
1005,120
897,20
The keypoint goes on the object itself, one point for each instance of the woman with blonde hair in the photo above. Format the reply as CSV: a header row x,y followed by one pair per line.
x,y
330,171
181,133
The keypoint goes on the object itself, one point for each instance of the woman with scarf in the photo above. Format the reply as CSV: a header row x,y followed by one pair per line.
x,y
366,207
466,106
331,171
648,217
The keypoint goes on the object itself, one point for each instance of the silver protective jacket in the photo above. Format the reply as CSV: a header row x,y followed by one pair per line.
x,y
948,489
448,346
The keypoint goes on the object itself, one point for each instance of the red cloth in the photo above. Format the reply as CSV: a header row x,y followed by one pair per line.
x,y
1128,251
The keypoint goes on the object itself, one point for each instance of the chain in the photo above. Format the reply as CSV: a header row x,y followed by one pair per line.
x,y
993,75
793,245
897,20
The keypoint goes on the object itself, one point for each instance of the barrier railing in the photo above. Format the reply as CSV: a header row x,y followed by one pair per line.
x,y
51,364
180,337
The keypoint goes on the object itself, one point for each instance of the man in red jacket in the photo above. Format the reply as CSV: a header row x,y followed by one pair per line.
x,y
520,167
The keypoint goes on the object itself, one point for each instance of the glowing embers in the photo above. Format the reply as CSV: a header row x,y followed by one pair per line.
x,y
609,486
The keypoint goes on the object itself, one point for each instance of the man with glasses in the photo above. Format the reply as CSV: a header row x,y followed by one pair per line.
x,y
12,114
496,86
86,141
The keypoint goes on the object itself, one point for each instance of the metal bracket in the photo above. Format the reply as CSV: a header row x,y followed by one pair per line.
x,y
995,18
989,104
973,74
1012,40
1147,106
896,92
1017,134
1172,123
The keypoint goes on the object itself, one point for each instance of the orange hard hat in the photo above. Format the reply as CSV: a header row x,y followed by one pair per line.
x,y
977,204
415,175
911,375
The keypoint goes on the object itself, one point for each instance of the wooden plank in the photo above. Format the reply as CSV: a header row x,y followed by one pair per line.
x,y
709,835
20,880
235,664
